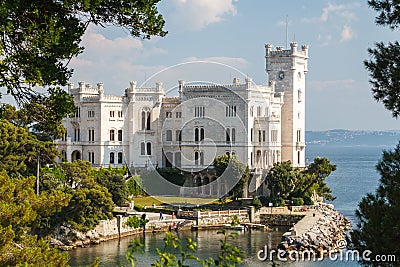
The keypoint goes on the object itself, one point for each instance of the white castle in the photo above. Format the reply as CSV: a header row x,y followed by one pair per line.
x,y
261,124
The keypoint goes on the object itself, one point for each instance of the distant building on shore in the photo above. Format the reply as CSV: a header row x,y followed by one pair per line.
x,y
260,124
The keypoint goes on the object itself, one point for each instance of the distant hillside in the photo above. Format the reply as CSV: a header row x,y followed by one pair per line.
x,y
352,138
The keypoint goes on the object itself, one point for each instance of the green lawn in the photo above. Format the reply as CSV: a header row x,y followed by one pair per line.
x,y
159,200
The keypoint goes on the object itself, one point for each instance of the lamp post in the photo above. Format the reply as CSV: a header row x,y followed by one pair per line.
x,y
37,173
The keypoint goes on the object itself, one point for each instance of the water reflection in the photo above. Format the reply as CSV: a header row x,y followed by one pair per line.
x,y
112,253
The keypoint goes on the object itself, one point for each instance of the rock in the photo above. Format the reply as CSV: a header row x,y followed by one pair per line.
x,y
79,243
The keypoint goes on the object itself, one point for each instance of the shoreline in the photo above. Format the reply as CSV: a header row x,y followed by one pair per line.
x,y
322,230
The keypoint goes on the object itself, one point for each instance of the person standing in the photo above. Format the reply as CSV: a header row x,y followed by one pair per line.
x,y
161,216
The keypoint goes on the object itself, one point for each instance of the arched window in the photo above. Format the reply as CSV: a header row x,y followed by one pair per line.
x,y
178,136
112,135
228,135
143,120
196,134
146,120
196,158
91,157
201,134
233,135
142,149
148,148
112,159
119,157
119,135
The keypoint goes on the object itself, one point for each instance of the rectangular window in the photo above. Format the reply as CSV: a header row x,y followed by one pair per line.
x,y
119,113
112,158
90,114
119,135
112,113
168,135
91,135
298,135
274,135
91,157
259,136
251,135
77,135
178,115
263,136
199,111
168,114
230,111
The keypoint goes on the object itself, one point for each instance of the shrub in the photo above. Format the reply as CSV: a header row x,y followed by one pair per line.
x,y
256,203
308,200
297,201
279,202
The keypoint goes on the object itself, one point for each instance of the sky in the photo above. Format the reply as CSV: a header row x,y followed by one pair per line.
x,y
217,40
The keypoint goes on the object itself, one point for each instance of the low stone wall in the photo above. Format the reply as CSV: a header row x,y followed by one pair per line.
x,y
215,218
221,220
67,238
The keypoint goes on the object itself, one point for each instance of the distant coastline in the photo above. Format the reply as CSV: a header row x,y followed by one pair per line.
x,y
340,137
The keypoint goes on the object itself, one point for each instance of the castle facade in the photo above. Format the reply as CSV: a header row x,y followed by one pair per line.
x,y
143,128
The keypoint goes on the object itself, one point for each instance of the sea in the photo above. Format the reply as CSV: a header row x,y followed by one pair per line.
x,y
355,176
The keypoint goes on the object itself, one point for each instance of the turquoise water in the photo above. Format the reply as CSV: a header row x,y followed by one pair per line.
x,y
355,176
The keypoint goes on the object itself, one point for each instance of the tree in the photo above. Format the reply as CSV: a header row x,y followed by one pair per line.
x,y
115,183
134,185
282,179
384,65
287,182
379,213
19,150
317,173
90,202
19,208
77,173
39,37
229,168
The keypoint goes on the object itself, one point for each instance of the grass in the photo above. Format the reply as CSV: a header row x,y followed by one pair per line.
x,y
159,200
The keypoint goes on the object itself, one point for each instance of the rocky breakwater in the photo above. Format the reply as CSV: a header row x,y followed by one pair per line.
x,y
321,231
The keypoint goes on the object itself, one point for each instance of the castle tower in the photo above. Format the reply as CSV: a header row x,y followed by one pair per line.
x,y
289,68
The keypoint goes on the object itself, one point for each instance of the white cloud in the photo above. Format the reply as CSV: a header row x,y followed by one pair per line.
x,y
332,11
347,34
114,62
334,23
332,85
186,15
